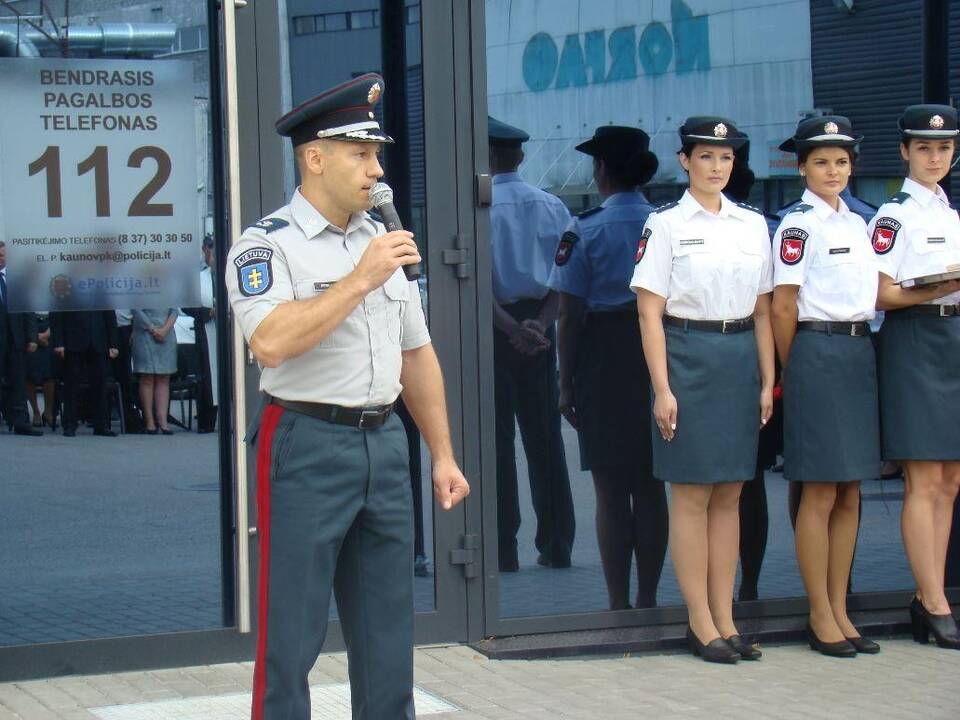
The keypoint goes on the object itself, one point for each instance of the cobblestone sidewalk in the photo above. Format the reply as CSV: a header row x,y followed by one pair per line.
x,y
904,681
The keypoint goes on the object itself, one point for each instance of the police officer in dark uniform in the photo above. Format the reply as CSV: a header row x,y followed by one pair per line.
x,y
319,292
525,226
603,375
18,336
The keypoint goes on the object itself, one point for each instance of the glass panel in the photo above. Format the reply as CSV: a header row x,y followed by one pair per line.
x,y
107,531
558,71
351,53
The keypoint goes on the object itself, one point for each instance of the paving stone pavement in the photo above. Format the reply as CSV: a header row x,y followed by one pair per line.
x,y
903,682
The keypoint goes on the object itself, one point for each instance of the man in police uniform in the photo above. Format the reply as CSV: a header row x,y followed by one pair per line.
x,y
319,292
525,227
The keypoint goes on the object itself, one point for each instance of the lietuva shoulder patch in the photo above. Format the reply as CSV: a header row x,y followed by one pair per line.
x,y
900,197
801,208
667,206
747,206
591,211
268,225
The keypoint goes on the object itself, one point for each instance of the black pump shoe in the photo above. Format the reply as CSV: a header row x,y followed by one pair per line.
x,y
864,645
943,627
747,651
717,650
842,649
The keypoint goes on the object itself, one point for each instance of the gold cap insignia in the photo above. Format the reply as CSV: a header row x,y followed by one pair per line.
x,y
936,122
831,128
374,93
720,130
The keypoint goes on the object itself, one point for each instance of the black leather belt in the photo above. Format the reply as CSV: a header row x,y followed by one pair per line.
x,y
363,418
720,326
853,329
936,310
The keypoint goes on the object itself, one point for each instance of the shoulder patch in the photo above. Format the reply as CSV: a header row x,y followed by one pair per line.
x,y
567,242
254,271
268,225
800,208
642,245
747,206
900,197
885,234
667,206
591,211
793,241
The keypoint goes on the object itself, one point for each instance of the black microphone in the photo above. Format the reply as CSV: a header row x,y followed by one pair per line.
x,y
381,195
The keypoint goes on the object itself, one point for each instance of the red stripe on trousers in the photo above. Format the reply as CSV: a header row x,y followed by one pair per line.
x,y
268,424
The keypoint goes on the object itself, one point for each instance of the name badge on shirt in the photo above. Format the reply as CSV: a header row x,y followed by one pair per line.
x,y
321,286
936,240
839,251
692,241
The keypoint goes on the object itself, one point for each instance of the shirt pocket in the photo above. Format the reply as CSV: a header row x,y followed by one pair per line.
x,y
339,337
396,295
748,267
838,272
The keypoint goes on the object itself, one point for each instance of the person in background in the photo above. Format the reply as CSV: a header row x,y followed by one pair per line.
x,y
155,360
603,375
205,340
18,337
525,227
40,376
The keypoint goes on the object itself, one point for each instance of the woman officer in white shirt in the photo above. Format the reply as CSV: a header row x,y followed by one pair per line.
x,y
825,294
917,233
703,279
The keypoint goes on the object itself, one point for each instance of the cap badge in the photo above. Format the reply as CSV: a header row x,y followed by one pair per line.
x,y
720,130
831,128
370,115
374,94
936,122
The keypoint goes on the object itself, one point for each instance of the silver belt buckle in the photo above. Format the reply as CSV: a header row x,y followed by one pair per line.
x,y
948,310
726,324
853,329
364,414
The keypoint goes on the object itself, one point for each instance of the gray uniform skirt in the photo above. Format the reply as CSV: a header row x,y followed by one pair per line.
x,y
920,386
831,429
716,381
611,393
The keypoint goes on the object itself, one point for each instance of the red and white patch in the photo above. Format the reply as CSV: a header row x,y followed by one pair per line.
x,y
565,248
642,245
885,235
792,244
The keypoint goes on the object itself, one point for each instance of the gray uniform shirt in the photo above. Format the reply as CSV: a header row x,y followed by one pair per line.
x,y
294,254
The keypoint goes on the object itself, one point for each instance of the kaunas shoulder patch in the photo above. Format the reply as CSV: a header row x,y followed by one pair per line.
x,y
268,225
567,242
885,234
642,245
793,240
254,271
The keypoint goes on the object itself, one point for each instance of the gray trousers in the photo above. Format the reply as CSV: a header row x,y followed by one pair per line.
x,y
334,511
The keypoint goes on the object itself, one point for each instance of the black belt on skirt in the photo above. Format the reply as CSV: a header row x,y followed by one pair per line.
x,y
721,326
362,418
853,329
935,310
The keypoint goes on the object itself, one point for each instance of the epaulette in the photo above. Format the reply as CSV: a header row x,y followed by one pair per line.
x,y
801,208
746,206
899,197
591,211
268,225
667,206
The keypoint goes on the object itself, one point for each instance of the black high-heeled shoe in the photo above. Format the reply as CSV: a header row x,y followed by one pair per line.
x,y
841,649
748,651
943,627
717,650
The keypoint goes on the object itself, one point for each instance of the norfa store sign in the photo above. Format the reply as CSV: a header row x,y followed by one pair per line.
x,y
560,68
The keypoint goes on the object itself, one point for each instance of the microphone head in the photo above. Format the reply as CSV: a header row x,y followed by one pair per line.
x,y
381,194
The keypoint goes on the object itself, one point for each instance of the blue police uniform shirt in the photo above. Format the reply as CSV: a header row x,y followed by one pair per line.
x,y
525,227
595,260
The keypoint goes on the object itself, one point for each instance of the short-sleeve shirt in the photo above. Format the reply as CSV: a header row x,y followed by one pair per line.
x,y
708,266
827,253
296,254
594,260
525,227
917,233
